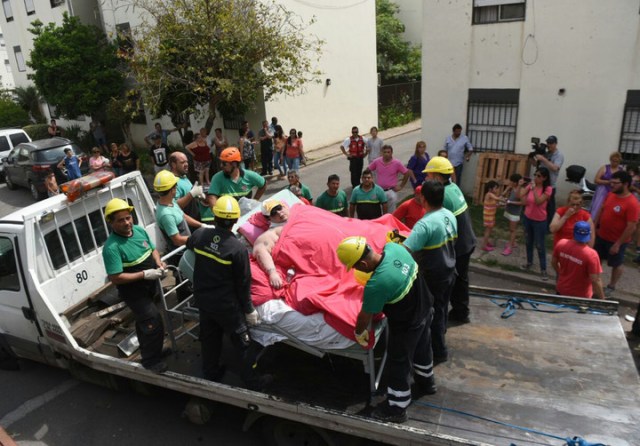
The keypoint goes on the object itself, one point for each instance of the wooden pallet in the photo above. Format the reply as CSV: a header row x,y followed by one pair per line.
x,y
498,167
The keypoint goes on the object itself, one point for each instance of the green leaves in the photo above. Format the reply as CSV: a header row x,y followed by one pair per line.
x,y
76,67
210,52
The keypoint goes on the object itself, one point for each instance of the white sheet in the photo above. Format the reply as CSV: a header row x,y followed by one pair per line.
x,y
311,330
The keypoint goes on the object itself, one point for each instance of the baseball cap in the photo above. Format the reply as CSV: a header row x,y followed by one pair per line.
x,y
552,140
582,232
418,189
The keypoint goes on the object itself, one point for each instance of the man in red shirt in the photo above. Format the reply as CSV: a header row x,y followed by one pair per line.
x,y
577,265
616,223
411,211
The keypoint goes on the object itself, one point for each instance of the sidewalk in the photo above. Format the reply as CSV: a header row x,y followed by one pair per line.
x,y
508,267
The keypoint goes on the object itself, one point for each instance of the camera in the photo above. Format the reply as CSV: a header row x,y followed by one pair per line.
x,y
538,147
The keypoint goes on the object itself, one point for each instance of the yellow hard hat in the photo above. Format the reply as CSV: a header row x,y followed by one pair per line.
x,y
350,250
268,205
226,207
439,164
164,181
361,277
116,205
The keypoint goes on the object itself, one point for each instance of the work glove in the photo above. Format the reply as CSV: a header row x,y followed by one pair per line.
x,y
363,338
395,237
196,191
204,225
253,318
153,274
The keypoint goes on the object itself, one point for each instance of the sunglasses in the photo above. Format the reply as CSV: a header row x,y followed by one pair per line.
x,y
275,211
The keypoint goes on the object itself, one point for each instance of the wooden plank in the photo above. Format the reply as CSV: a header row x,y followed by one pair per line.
x,y
87,330
497,167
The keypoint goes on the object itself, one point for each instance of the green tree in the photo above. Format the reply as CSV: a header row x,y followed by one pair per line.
x,y
205,53
11,114
76,66
29,99
398,60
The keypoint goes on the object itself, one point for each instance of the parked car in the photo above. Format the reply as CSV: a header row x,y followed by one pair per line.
x,y
28,164
9,138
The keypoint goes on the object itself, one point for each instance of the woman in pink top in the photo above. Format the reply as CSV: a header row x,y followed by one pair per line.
x,y
535,197
97,162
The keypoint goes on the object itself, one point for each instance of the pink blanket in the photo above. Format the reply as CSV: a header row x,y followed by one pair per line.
x,y
321,283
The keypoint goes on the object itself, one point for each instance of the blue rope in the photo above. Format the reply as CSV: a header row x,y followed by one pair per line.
x,y
569,441
513,303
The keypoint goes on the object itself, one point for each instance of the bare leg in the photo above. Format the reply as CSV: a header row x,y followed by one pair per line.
x,y
616,273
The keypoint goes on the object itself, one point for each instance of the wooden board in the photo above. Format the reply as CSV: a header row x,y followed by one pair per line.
x,y
498,167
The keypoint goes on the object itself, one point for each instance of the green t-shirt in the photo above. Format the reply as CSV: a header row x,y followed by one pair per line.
x,y
306,192
222,185
206,214
368,203
337,204
391,280
432,240
455,202
183,187
127,254
170,220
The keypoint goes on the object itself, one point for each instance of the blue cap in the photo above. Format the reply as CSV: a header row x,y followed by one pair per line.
x,y
582,232
552,140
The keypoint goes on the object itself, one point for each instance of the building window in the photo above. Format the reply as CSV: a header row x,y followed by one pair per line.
x,y
29,6
493,11
8,12
2,42
123,39
7,65
492,118
55,3
19,59
630,134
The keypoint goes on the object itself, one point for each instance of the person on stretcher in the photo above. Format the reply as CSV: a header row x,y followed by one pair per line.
x,y
278,214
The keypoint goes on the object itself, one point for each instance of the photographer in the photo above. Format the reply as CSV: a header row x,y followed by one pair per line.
x,y
553,161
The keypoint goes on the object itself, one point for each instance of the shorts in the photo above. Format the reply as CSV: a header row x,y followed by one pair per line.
x,y
200,166
511,217
602,248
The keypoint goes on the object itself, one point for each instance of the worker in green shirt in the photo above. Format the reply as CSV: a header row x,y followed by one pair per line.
x,y
234,181
333,199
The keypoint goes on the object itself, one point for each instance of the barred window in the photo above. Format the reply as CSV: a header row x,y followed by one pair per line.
x,y
492,117
630,134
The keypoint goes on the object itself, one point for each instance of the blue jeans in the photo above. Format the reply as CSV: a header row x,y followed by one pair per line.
x,y
278,163
293,163
534,233
458,170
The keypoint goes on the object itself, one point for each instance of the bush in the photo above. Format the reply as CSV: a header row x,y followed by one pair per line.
x,y
397,114
12,115
37,131
80,137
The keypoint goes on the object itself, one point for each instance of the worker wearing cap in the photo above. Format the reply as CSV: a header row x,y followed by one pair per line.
x,y
222,285
134,266
172,221
234,181
395,288
440,168
432,242
578,265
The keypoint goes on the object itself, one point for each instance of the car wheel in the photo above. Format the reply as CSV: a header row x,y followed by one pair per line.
x,y
10,184
34,192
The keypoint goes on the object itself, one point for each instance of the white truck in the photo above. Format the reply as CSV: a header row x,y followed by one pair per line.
x,y
57,307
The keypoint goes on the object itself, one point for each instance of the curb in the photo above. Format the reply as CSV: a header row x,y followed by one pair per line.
x,y
475,266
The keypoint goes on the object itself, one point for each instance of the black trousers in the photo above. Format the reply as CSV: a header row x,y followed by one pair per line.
x,y
149,328
635,328
551,207
266,159
355,167
460,291
440,287
409,348
213,326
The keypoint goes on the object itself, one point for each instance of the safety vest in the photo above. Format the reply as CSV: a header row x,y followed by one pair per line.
x,y
356,147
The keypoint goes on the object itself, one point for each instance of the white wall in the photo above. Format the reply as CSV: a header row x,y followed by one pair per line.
x,y
5,70
410,15
586,47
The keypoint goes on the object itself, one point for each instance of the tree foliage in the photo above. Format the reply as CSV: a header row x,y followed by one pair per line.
x,y
398,60
192,53
11,114
29,99
76,66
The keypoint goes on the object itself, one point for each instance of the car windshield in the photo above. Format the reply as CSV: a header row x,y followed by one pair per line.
x,y
54,154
